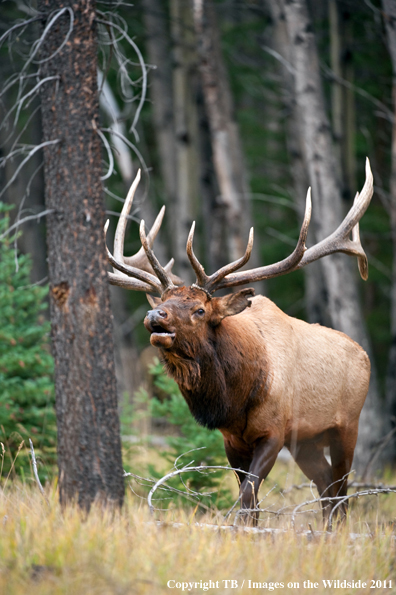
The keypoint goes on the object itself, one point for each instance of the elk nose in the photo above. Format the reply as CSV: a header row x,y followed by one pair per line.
x,y
153,315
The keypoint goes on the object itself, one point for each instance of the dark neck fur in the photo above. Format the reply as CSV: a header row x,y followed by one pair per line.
x,y
203,383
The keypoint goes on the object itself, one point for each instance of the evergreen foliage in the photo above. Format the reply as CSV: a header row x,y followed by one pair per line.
x,y
26,366
193,445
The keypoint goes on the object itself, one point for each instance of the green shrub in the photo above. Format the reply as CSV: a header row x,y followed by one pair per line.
x,y
192,444
26,366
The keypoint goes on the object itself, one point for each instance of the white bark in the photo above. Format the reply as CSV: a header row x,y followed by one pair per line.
x,y
340,279
389,7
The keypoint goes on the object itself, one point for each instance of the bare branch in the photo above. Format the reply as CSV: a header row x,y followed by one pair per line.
x,y
26,194
29,218
38,43
23,163
109,153
18,26
113,25
200,469
343,499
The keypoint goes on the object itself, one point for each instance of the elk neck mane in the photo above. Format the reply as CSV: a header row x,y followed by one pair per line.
x,y
212,375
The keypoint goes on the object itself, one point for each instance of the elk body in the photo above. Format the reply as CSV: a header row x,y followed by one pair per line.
x,y
264,379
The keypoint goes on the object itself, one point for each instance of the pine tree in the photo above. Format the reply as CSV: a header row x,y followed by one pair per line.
x,y
26,366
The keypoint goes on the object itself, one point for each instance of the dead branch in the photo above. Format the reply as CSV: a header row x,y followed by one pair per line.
x,y
23,163
358,495
29,218
186,469
152,482
122,60
18,26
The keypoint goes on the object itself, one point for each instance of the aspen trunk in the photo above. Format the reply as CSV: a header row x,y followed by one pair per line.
x,y
89,449
389,7
336,88
339,277
226,144
315,303
186,129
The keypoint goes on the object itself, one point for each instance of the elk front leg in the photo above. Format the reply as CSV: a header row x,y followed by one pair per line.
x,y
264,457
238,459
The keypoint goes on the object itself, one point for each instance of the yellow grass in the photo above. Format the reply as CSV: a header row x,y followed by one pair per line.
x,y
44,551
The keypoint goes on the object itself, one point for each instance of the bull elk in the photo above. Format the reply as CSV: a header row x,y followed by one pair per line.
x,y
264,379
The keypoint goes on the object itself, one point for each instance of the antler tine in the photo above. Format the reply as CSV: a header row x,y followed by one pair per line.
x,y
202,277
203,280
132,278
339,240
139,258
161,273
123,220
278,268
360,203
219,275
130,283
362,258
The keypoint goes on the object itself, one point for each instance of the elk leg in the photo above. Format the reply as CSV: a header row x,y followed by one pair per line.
x,y
342,447
312,462
237,460
264,457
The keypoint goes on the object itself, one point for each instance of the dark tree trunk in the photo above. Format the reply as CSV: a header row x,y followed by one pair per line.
x,y
89,448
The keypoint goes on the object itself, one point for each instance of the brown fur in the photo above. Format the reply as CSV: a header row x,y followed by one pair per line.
x,y
265,380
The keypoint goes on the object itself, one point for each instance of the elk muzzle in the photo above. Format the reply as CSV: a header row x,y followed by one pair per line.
x,y
157,323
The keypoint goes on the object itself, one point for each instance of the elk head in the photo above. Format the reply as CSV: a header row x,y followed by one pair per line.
x,y
189,314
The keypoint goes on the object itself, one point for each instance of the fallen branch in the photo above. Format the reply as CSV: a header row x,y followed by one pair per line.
x,y
187,469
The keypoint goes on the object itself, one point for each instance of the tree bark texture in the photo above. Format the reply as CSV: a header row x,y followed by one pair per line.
x,y
186,132
89,447
226,145
389,8
340,279
160,89
315,292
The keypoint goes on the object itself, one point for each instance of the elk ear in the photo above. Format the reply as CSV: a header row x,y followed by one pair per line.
x,y
231,304
153,301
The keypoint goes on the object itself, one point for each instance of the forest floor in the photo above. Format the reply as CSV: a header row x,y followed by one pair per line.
x,y
46,551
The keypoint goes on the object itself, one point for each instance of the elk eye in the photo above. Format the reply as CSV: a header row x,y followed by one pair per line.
x,y
201,312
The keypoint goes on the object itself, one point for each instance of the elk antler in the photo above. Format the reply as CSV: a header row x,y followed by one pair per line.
x,y
136,271
224,277
338,241
142,279
208,283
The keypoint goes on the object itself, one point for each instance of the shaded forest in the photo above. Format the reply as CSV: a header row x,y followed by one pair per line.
x,y
232,109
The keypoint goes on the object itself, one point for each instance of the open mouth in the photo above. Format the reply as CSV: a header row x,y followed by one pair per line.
x,y
157,329
160,337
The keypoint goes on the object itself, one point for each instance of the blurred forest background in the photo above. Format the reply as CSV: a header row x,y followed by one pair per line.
x,y
215,110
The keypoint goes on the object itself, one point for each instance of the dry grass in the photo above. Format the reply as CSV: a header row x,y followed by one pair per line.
x,y
44,551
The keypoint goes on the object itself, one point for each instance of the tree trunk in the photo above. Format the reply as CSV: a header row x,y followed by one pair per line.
x,y
336,89
160,88
186,130
389,7
340,280
315,296
226,145
89,448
